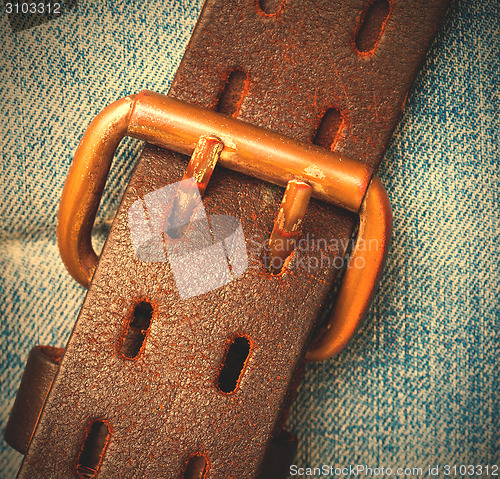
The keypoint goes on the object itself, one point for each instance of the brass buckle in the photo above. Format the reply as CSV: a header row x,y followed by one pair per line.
x,y
255,151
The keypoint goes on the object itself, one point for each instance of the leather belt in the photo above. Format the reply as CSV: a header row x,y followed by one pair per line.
x,y
160,380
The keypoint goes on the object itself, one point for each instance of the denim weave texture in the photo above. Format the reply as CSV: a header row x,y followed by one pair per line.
x,y
418,383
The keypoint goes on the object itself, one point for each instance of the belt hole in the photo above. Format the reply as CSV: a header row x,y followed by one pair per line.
x,y
92,453
196,467
232,94
234,364
328,129
371,24
138,327
270,7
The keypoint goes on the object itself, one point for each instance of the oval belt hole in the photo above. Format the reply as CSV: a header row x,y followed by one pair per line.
x,y
372,23
137,329
328,128
92,453
233,93
234,364
270,7
196,468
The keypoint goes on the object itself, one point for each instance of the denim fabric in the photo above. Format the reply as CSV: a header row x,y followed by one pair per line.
x,y
418,384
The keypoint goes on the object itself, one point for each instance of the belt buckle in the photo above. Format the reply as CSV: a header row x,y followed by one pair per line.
x,y
212,137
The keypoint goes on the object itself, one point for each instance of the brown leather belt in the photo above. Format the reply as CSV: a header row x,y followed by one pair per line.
x,y
153,384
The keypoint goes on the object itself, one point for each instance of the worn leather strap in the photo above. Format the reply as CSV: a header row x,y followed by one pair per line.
x,y
336,74
41,369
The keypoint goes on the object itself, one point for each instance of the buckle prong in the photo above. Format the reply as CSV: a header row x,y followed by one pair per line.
x,y
288,222
203,161
200,168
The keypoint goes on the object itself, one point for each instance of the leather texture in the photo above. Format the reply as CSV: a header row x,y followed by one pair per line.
x,y
41,368
296,67
303,61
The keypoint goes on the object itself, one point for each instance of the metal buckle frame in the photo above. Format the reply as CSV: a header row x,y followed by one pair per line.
x,y
303,168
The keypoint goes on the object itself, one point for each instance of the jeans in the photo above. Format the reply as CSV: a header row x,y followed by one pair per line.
x,y
418,384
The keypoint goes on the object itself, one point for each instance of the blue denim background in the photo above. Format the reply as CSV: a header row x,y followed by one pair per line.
x,y
418,384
